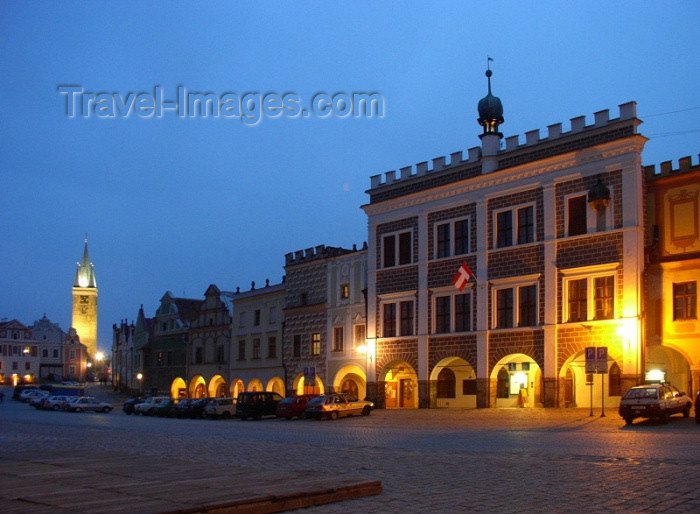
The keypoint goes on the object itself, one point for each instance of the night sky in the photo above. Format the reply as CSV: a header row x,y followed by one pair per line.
x,y
180,202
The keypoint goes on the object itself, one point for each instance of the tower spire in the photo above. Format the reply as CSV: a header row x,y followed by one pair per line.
x,y
490,107
85,274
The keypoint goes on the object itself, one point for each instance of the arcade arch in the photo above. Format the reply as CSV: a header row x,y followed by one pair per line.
x,y
351,379
178,388
400,386
518,381
198,387
301,387
276,385
453,383
217,387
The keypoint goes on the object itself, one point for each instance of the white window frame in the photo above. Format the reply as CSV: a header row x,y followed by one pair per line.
x,y
514,217
397,299
452,294
452,222
591,215
514,283
334,345
397,248
355,342
589,273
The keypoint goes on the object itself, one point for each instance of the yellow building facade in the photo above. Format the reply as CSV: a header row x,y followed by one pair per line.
x,y
673,274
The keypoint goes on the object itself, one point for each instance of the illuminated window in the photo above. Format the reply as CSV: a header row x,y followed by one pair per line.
x,y
589,298
684,300
316,343
344,291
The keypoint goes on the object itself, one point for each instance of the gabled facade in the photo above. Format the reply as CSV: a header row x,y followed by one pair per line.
x,y
306,328
165,353
256,343
123,358
208,348
557,251
75,357
19,354
673,274
346,353
51,339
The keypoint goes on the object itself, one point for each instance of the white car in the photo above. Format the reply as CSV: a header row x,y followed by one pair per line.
x,y
30,394
148,407
221,408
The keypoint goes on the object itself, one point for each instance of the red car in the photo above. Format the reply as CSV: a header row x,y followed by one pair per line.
x,y
293,406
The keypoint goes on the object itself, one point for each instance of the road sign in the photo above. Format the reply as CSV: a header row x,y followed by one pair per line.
x,y
590,359
601,359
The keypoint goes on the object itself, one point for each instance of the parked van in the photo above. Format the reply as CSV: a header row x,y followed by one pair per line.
x,y
220,408
257,404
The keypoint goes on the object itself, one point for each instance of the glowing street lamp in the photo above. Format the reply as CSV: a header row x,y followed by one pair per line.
x,y
139,377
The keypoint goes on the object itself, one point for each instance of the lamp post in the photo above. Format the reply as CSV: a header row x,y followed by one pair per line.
x,y
139,377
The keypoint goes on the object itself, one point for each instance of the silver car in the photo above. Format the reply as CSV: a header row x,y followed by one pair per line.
x,y
335,405
87,404
654,401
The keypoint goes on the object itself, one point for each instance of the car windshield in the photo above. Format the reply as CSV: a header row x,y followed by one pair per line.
x,y
317,400
642,392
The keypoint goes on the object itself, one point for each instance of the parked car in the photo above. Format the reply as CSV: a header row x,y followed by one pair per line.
x,y
181,408
21,388
148,406
293,406
87,404
335,405
654,401
29,394
56,402
257,404
220,408
163,408
130,404
697,408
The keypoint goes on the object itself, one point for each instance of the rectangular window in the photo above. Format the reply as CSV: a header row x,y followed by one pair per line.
x,y
463,313
241,350
45,353
504,308
256,318
71,370
316,343
504,229
272,347
389,320
406,318
442,314
577,300
338,336
604,297
344,291
71,355
397,249
256,348
160,358
296,346
359,335
527,306
220,354
443,240
169,358
576,210
15,366
461,237
685,300
55,354
526,225
27,365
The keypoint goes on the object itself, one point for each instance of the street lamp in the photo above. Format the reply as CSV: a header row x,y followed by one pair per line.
x,y
139,377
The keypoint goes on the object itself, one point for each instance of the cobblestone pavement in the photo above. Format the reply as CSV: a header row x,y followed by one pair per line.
x,y
485,460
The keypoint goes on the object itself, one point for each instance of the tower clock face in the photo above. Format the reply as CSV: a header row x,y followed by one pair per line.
x,y
84,299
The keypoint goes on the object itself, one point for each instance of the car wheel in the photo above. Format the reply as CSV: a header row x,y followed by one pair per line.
x,y
686,411
106,409
665,417
287,418
151,412
78,409
302,415
226,415
365,411
243,418
56,407
334,414
629,421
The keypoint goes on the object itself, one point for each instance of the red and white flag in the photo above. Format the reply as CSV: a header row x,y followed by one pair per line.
x,y
464,273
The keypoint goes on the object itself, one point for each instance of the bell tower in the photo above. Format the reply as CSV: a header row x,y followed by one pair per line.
x,y
85,303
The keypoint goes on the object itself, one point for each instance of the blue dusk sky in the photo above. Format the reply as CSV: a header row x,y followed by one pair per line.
x,y
177,202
